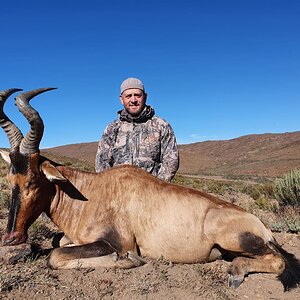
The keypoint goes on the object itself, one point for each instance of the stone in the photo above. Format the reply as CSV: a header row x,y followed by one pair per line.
x,y
12,254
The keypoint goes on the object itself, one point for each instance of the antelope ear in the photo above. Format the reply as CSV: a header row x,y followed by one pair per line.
x,y
51,172
5,156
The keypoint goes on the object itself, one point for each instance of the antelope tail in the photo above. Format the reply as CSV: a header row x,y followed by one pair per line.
x,y
290,277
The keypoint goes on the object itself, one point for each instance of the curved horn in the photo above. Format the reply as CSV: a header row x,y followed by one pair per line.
x,y
30,144
13,133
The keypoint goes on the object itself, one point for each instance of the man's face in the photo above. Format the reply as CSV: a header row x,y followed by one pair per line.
x,y
134,101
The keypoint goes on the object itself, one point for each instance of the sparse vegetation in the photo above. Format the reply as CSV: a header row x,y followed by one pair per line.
x,y
257,191
287,192
285,219
4,190
4,199
71,162
203,184
264,203
287,189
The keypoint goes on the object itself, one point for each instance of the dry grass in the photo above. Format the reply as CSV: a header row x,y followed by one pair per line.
x,y
261,199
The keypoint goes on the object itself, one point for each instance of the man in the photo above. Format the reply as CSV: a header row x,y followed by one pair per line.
x,y
138,137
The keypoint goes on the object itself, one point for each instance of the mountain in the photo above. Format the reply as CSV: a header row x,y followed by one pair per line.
x,y
270,155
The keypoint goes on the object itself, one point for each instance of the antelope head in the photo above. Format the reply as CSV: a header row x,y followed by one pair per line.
x,y
29,173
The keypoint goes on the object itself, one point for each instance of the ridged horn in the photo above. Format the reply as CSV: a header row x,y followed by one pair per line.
x,y
30,143
13,133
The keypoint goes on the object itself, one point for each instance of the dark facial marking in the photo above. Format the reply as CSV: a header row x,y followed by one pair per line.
x,y
19,163
14,208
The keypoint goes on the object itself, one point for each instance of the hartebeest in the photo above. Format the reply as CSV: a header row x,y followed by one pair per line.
x,y
116,216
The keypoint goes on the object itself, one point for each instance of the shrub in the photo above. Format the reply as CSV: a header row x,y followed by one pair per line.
x,y
205,185
264,203
257,191
287,189
287,219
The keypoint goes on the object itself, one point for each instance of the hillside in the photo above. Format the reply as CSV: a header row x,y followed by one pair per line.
x,y
267,154
159,278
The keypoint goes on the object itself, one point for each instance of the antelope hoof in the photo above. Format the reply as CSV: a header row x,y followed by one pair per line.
x,y
235,281
114,256
137,260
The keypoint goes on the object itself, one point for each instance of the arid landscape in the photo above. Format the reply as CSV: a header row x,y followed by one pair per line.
x,y
241,171
257,155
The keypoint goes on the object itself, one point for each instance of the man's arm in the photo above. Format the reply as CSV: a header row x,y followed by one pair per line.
x,y
169,155
104,159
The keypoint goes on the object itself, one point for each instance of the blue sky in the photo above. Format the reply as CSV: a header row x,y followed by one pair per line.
x,y
214,69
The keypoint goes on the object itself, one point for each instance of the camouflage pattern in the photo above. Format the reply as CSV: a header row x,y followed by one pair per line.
x,y
146,141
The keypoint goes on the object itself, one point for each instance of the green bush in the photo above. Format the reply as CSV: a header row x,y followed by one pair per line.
x,y
287,189
287,220
205,185
264,203
257,191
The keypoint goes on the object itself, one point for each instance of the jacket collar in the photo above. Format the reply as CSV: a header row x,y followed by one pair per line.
x,y
147,113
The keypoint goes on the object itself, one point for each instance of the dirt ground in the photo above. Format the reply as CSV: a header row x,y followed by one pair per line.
x,y
158,279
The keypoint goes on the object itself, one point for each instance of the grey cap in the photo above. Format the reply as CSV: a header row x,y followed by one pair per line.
x,y
132,83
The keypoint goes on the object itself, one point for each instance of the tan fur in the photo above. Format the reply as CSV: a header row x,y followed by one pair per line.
x,y
159,217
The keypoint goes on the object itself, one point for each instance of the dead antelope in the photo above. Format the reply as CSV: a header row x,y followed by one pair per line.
x,y
116,216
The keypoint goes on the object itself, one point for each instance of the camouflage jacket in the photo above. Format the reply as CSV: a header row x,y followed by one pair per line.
x,y
146,141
